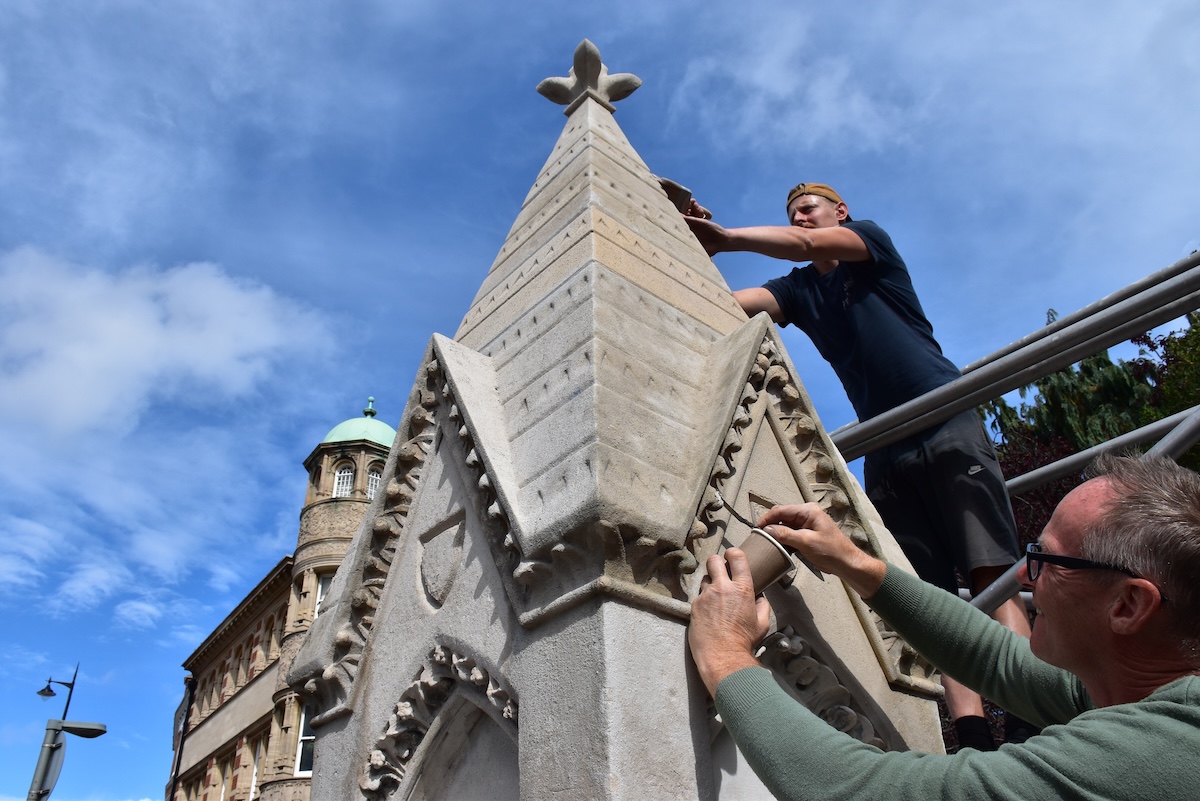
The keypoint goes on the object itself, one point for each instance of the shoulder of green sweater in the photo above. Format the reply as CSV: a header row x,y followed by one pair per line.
x,y
1184,690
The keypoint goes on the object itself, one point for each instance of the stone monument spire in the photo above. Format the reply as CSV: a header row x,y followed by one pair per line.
x,y
525,578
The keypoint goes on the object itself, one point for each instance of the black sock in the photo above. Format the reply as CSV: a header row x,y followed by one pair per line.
x,y
1017,730
974,732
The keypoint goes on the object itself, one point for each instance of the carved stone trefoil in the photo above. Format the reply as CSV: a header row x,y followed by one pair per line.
x,y
589,78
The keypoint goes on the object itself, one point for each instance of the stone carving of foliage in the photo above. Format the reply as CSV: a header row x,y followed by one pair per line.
x,y
791,658
445,673
332,687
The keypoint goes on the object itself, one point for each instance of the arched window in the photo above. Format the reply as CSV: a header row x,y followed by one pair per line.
x,y
239,668
304,749
323,582
374,477
258,751
343,482
225,770
248,658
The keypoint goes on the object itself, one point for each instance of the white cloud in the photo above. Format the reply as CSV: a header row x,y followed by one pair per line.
x,y
24,546
18,659
770,84
82,349
129,399
126,120
138,614
1071,75
95,574
187,636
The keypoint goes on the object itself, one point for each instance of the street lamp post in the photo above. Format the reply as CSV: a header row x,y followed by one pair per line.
x,y
54,745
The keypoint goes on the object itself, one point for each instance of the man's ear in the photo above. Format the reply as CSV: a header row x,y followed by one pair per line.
x,y
842,211
1133,606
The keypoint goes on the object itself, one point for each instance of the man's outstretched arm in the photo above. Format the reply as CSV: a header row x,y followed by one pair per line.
x,y
787,242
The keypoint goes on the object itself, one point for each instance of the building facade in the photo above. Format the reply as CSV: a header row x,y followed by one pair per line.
x,y
240,732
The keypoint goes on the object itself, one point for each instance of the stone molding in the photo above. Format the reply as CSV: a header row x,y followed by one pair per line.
x,y
292,789
321,553
444,674
331,688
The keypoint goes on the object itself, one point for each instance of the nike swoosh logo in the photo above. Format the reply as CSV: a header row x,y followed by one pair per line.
x,y
976,468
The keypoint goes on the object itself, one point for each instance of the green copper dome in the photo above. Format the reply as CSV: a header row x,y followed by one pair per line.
x,y
365,427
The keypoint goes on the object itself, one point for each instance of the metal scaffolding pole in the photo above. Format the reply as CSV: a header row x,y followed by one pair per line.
x,y
1152,280
1132,316
1182,437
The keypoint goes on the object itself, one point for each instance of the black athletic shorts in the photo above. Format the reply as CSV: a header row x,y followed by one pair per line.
x,y
942,496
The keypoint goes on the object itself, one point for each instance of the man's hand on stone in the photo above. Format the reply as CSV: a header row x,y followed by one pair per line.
x,y
728,622
807,529
694,209
712,237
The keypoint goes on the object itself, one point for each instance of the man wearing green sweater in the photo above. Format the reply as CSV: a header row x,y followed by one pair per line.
x,y
1112,671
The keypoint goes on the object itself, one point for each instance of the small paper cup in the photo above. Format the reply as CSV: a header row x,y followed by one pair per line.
x,y
769,560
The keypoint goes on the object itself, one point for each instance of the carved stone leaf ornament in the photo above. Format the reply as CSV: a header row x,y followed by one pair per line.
x,y
817,687
444,673
331,689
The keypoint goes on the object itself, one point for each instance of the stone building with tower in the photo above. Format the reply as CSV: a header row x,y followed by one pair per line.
x,y
241,732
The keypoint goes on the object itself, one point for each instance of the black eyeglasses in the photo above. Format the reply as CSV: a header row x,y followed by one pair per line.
x,y
1034,556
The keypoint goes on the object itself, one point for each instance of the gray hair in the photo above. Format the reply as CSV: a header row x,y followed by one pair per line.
x,y
1152,527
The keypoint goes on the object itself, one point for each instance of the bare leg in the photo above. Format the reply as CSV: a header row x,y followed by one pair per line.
x,y
964,704
1011,614
961,700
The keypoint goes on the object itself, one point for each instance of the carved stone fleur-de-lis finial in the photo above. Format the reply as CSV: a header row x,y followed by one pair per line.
x,y
589,78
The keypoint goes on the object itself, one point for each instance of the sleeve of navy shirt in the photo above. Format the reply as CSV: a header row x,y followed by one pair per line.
x,y
866,321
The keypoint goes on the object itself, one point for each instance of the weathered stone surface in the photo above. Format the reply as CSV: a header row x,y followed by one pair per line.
x,y
525,577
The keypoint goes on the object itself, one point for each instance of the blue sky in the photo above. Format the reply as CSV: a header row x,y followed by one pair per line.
x,y
223,225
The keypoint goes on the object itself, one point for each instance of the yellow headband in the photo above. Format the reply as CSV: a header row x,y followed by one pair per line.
x,y
821,190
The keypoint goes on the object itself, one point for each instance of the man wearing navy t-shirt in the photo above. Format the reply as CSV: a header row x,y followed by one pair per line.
x,y
940,492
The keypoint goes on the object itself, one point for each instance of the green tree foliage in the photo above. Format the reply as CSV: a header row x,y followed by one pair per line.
x,y
1172,364
1087,404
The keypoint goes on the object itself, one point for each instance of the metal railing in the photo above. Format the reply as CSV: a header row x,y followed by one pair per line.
x,y
1158,299
1139,307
